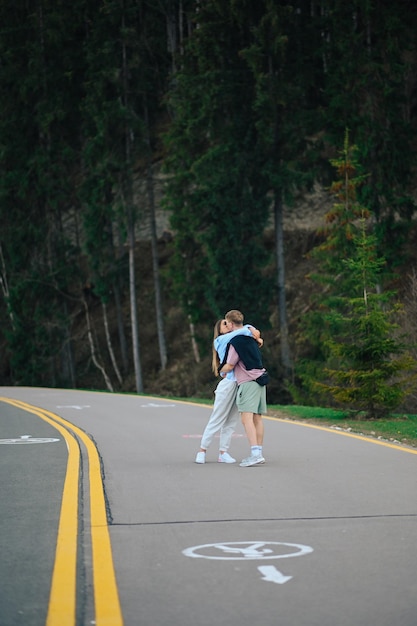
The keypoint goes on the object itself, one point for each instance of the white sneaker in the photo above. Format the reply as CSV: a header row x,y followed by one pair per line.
x,y
201,457
226,458
252,460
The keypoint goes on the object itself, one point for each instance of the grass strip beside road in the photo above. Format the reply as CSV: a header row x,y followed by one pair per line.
x,y
395,429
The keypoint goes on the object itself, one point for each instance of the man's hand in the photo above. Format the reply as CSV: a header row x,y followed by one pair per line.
x,y
255,332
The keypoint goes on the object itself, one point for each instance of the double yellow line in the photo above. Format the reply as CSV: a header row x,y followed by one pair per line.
x,y
62,600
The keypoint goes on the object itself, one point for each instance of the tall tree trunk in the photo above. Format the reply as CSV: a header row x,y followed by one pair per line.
x,y
109,343
120,326
133,305
67,355
5,287
172,44
194,343
154,245
93,349
155,267
282,307
128,197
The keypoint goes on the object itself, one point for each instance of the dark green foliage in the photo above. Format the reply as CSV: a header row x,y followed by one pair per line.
x,y
364,363
369,50
38,139
126,68
343,222
215,192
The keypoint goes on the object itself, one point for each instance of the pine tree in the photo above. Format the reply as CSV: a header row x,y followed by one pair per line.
x,y
365,365
368,366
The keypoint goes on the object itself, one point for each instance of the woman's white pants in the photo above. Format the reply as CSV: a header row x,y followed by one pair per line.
x,y
224,416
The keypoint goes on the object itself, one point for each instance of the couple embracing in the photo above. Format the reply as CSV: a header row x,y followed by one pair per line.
x,y
242,389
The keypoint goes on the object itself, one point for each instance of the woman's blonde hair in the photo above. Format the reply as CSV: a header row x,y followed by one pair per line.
x,y
215,361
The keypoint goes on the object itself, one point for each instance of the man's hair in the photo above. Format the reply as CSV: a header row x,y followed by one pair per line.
x,y
234,316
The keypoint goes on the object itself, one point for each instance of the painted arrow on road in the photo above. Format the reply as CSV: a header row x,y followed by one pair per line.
x,y
272,575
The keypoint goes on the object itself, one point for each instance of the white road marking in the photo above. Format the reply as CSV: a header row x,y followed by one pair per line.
x,y
73,406
246,550
272,575
28,439
153,406
251,551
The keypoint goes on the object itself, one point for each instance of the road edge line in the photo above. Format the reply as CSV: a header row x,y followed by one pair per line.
x,y
335,431
106,595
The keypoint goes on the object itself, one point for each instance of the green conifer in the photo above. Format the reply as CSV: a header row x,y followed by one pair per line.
x,y
365,366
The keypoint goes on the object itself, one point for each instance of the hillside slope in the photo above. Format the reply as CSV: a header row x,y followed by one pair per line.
x,y
185,377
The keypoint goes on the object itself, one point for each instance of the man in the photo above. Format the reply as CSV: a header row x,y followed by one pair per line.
x,y
244,358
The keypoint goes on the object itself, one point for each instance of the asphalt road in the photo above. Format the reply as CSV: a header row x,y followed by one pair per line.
x,y
323,534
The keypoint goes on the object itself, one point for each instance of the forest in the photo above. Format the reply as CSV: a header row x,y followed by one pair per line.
x,y
154,156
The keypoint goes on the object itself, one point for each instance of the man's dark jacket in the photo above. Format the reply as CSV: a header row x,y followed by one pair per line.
x,y
248,351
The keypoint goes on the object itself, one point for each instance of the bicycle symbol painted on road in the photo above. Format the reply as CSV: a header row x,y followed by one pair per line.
x,y
28,439
251,551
